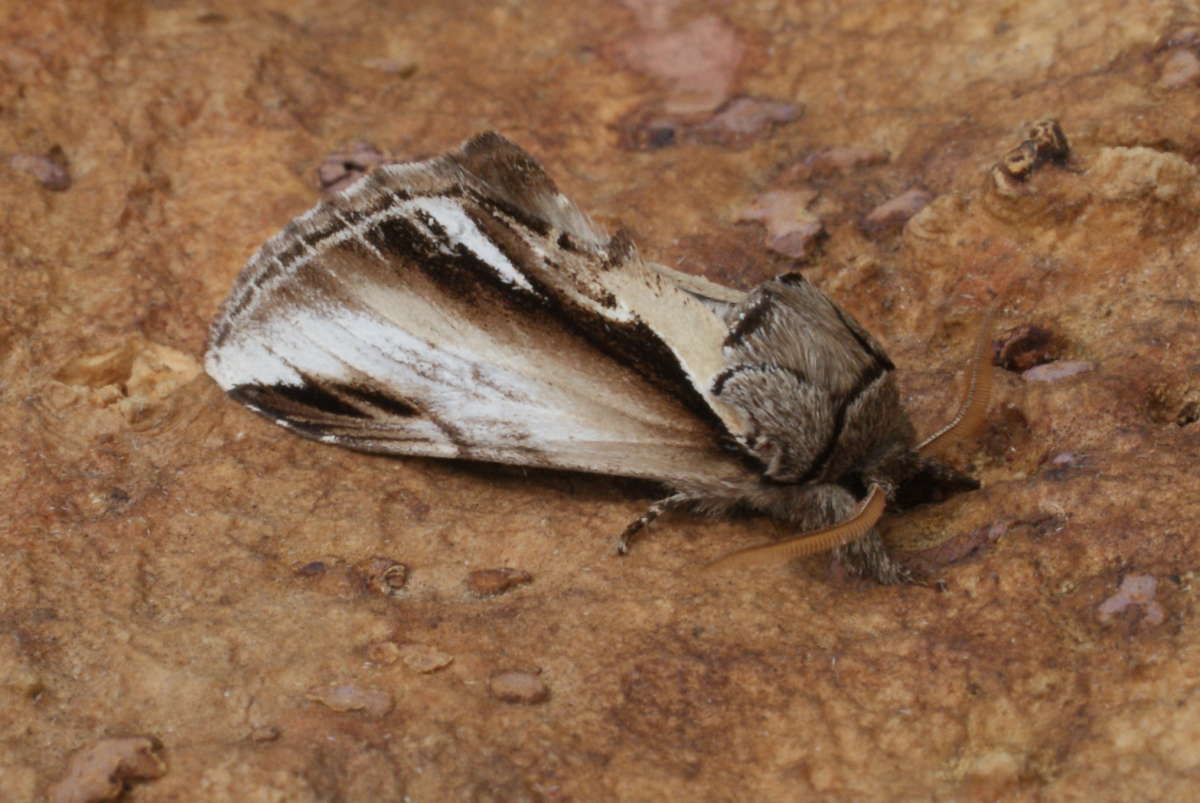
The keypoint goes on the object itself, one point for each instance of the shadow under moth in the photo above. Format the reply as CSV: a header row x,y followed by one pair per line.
x,y
461,307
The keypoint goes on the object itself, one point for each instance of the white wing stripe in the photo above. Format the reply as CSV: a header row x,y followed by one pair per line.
x,y
459,228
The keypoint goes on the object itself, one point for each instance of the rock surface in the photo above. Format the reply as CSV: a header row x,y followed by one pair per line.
x,y
152,529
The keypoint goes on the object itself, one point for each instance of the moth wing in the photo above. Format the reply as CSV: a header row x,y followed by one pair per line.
x,y
717,297
605,278
509,174
425,312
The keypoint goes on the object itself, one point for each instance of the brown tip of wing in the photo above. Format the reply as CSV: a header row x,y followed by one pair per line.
x,y
507,168
974,405
808,543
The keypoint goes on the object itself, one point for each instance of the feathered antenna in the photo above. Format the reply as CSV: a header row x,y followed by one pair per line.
x,y
975,401
809,543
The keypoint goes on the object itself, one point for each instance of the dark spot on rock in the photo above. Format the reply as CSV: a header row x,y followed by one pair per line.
x,y
51,170
314,568
660,136
1023,347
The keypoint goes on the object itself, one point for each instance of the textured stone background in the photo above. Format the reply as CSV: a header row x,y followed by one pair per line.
x,y
189,601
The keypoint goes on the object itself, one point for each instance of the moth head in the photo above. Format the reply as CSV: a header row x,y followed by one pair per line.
x,y
927,480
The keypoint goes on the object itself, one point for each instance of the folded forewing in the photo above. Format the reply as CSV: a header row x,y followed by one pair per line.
x,y
461,307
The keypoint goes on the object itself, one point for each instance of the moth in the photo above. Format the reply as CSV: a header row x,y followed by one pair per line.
x,y
461,307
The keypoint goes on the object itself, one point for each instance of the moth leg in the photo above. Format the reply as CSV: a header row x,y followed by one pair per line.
x,y
666,505
869,557
825,505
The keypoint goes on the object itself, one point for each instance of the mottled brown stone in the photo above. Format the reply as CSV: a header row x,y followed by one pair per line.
x,y
382,575
152,527
341,697
104,770
1025,346
519,687
490,582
